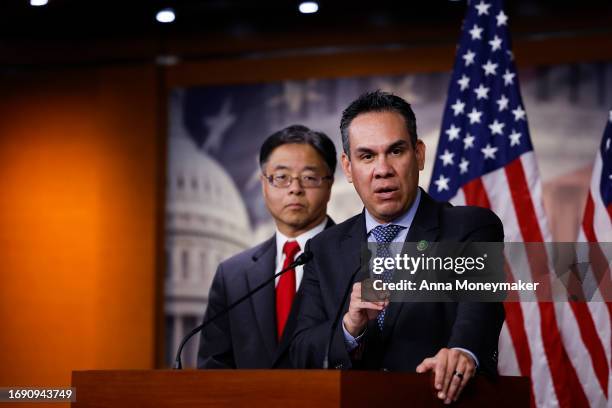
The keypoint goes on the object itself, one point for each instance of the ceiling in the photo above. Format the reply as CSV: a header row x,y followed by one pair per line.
x,y
89,22
112,18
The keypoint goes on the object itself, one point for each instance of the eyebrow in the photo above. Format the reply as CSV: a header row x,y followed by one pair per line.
x,y
280,167
399,143
283,167
360,150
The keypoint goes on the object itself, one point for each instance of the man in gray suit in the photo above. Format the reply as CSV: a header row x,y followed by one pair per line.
x,y
297,167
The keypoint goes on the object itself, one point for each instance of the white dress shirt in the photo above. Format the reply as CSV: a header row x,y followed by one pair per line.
x,y
301,240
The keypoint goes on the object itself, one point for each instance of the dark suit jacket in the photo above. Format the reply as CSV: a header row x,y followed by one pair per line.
x,y
246,336
412,331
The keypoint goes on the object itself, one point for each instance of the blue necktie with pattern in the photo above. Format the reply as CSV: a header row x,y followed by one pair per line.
x,y
385,234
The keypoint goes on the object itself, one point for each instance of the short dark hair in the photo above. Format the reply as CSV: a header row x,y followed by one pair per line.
x,y
300,134
377,101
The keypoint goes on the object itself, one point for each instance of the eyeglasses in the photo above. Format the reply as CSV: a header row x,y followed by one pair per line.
x,y
284,180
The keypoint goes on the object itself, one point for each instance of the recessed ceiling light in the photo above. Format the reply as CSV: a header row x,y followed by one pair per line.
x,y
308,7
165,16
38,3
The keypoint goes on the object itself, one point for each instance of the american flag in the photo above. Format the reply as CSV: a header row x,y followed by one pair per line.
x,y
485,158
597,227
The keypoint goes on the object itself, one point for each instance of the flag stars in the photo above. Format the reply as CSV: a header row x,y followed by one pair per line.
x,y
458,107
502,103
463,166
476,32
469,57
489,68
464,82
519,113
495,43
515,138
493,78
608,144
509,77
447,158
468,141
442,183
483,8
482,92
474,116
502,18
497,128
453,133
489,152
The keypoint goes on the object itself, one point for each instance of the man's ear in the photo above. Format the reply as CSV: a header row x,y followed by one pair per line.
x,y
264,181
346,167
419,150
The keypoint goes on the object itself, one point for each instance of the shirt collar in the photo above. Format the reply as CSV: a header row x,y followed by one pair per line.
x,y
301,239
404,220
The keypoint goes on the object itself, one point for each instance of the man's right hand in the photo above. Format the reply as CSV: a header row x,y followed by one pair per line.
x,y
361,312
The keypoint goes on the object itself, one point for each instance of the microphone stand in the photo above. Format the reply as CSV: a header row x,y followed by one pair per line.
x,y
301,260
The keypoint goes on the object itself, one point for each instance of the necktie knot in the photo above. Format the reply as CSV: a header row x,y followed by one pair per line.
x,y
290,249
386,233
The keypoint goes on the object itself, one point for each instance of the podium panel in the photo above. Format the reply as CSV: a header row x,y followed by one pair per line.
x,y
283,388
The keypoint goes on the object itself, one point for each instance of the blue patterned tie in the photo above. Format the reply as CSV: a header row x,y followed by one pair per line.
x,y
385,234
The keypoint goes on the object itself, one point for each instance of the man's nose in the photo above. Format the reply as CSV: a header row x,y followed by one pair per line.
x,y
296,186
383,168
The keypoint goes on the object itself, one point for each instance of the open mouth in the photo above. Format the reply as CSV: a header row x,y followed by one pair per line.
x,y
386,192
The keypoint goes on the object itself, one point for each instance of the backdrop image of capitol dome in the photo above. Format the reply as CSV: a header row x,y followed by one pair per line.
x,y
206,222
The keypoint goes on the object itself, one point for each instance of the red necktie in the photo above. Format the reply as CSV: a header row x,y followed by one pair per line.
x,y
285,290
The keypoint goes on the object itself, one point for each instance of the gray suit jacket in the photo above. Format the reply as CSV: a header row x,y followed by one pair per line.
x,y
246,336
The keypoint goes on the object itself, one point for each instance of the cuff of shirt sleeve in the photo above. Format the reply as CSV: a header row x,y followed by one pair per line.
x,y
351,342
470,353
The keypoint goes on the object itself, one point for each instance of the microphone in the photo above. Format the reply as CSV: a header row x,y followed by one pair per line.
x,y
365,255
301,260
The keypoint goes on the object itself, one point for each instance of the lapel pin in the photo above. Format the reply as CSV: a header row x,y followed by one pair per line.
x,y
422,245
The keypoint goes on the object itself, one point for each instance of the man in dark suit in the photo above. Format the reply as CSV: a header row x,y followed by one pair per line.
x,y
297,167
382,158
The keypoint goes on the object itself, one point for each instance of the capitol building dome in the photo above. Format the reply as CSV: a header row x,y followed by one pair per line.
x,y
206,222
200,194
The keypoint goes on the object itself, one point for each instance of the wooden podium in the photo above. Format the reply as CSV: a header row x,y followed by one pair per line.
x,y
283,388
